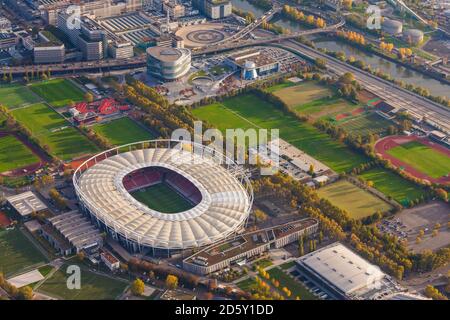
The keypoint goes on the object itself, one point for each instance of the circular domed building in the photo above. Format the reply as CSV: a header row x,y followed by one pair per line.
x,y
392,27
413,36
163,196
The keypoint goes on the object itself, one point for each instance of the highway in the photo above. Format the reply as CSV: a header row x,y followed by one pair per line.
x,y
393,94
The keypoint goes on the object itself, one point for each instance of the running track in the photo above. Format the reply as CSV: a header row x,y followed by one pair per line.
x,y
387,143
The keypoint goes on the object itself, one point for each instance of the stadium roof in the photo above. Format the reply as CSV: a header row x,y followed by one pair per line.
x,y
224,206
25,203
342,268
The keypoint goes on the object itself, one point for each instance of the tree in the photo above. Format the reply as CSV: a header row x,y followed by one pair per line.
x,y
137,287
26,293
433,293
88,97
171,281
81,256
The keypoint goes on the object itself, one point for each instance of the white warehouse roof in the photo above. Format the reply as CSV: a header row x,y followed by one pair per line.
x,y
224,206
342,268
25,203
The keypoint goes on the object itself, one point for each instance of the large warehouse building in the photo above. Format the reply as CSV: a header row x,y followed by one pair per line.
x,y
216,197
342,274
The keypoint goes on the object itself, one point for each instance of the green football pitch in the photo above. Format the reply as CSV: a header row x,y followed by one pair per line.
x,y
356,201
92,286
15,95
64,141
423,158
249,111
14,154
162,198
393,185
17,252
58,92
122,131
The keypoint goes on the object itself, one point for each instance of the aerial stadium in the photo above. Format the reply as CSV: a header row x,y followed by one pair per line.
x,y
162,196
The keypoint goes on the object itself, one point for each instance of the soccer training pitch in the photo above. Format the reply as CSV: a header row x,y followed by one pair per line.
x,y
64,141
249,111
58,92
17,252
356,201
122,131
162,198
305,92
14,154
16,95
392,185
93,286
423,158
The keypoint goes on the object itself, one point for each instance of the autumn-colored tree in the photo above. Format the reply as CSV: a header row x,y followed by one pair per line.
x,y
171,281
137,287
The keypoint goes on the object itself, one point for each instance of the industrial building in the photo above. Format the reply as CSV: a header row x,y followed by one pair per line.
x,y
252,63
392,27
214,9
168,63
239,248
413,36
49,53
71,233
25,204
342,274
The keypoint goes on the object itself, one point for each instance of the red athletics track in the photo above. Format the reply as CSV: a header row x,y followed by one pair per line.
x,y
383,145
43,159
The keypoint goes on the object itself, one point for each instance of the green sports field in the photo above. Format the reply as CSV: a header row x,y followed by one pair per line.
x,y
15,95
356,201
305,92
93,286
249,111
365,124
58,92
122,131
64,141
392,185
17,252
326,108
297,289
423,158
14,154
162,198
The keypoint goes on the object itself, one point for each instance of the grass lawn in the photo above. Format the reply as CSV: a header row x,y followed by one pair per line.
x,y
45,270
303,93
52,130
17,252
247,284
263,263
326,107
365,124
15,95
14,154
287,265
423,158
93,286
162,198
122,131
58,92
285,84
249,111
356,201
297,289
392,185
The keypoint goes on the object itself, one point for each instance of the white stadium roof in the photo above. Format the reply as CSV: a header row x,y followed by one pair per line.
x,y
224,206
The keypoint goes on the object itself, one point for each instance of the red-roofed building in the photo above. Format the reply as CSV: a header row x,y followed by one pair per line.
x,y
84,112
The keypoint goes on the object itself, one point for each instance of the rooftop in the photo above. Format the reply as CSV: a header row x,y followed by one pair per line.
x,y
26,203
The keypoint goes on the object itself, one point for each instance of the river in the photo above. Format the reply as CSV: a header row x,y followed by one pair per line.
x,y
397,71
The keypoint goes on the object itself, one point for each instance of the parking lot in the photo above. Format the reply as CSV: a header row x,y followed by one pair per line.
x,y
409,223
